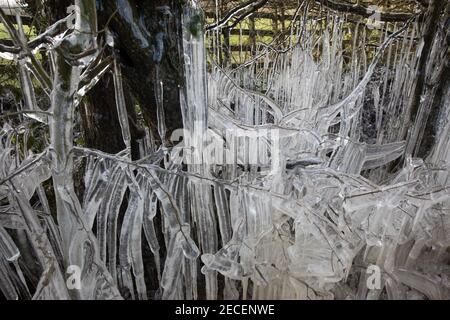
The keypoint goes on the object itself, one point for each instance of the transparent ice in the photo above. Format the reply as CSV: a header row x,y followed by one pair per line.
x,y
306,223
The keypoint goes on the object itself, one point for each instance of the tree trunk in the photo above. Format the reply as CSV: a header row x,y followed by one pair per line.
x,y
422,94
147,38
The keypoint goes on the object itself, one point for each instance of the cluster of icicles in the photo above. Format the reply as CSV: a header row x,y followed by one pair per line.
x,y
308,228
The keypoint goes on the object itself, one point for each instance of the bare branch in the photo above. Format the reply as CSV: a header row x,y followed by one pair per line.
x,y
364,11
9,49
239,13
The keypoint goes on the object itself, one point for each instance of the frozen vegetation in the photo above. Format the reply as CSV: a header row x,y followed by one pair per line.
x,y
281,188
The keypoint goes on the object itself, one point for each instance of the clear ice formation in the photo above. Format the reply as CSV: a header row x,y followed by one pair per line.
x,y
305,223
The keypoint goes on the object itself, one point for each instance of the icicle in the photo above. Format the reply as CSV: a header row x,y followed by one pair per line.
x,y
161,119
121,105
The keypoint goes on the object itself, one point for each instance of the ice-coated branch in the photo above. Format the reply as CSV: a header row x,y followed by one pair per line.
x,y
76,234
238,14
20,42
363,11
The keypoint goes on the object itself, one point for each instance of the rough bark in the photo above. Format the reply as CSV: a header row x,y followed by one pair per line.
x,y
147,35
415,115
441,85
100,120
432,125
138,28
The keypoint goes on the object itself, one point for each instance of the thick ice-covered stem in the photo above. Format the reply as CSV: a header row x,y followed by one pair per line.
x,y
194,107
78,243
66,81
